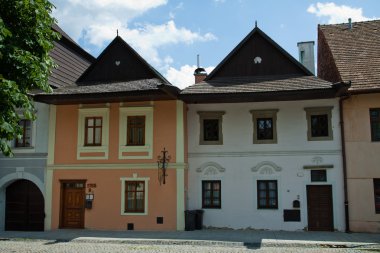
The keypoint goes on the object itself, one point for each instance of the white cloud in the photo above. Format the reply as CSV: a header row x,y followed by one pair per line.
x,y
146,39
96,22
337,13
75,16
184,76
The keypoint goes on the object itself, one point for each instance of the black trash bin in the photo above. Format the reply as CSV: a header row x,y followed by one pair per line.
x,y
199,219
190,220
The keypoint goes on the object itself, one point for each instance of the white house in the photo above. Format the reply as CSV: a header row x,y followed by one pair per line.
x,y
264,143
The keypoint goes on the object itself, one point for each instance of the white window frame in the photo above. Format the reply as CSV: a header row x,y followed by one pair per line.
x,y
146,111
81,148
134,178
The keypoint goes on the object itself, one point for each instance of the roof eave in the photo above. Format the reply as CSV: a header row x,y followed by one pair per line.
x,y
111,97
259,96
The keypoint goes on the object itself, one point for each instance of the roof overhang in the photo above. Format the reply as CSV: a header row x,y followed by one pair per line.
x,y
259,96
109,97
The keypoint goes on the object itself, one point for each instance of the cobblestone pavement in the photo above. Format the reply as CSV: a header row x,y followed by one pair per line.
x,y
41,246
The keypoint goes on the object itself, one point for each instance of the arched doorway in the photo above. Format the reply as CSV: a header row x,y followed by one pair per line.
x,y
24,207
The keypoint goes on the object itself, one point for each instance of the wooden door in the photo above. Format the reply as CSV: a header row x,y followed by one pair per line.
x,y
24,207
320,208
72,204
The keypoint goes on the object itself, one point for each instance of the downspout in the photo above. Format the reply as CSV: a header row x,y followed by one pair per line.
x,y
346,211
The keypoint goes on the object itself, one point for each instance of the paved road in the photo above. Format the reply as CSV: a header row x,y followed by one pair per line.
x,y
50,246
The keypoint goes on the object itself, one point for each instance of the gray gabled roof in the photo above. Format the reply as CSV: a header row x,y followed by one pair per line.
x,y
70,58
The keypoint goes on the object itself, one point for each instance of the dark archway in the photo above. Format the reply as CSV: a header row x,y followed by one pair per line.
x,y
24,208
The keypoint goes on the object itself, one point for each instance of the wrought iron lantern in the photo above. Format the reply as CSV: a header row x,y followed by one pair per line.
x,y
162,163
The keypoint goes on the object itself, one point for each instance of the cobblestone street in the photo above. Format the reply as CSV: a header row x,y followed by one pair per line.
x,y
50,246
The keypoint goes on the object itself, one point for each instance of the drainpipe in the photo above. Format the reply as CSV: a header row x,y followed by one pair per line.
x,y
346,212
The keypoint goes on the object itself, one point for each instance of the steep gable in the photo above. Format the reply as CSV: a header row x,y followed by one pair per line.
x,y
258,55
118,63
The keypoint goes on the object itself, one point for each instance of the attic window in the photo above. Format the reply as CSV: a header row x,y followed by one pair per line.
x,y
117,63
257,60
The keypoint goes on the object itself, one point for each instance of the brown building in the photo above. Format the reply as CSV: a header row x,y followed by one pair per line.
x,y
350,52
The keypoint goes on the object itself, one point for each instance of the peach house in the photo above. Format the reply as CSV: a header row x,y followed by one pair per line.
x,y
350,52
108,131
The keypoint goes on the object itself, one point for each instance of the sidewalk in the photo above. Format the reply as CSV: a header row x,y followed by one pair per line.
x,y
219,237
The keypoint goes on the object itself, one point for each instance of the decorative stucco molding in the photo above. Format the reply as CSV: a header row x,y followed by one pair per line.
x,y
266,167
210,168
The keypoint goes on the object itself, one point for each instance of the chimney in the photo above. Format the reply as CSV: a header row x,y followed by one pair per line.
x,y
200,73
349,23
306,55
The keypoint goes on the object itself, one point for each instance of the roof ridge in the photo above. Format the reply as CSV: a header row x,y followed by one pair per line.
x,y
357,22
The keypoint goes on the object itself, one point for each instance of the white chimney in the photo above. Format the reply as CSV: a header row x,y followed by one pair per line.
x,y
306,55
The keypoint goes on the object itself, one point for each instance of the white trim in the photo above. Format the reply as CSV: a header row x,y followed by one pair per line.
x,y
124,112
134,178
209,165
265,165
51,140
121,166
88,112
48,198
180,156
266,153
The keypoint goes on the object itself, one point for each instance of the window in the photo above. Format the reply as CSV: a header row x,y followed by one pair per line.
x,y
376,186
211,127
264,126
211,194
264,129
93,128
134,196
136,131
318,176
267,194
26,135
319,123
93,131
375,124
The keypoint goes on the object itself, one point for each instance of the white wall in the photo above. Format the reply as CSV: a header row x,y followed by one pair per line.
x,y
238,155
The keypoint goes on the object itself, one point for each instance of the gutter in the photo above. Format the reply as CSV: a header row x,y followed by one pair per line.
x,y
343,97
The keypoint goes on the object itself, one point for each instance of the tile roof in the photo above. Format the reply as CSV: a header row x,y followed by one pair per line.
x,y
102,88
71,59
356,52
255,84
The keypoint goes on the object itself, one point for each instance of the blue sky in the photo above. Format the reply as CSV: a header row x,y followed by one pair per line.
x,y
170,33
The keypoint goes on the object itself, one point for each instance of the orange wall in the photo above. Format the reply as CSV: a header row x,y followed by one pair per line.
x,y
164,134
106,211
362,162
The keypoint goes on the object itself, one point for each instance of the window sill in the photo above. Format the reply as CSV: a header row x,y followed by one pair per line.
x,y
92,152
211,143
135,152
134,214
23,150
327,138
